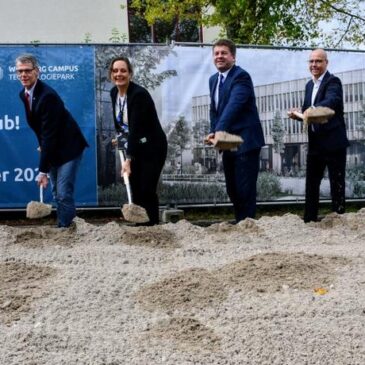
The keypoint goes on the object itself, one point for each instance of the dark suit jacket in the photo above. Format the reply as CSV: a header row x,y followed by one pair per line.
x,y
330,136
58,134
237,112
145,132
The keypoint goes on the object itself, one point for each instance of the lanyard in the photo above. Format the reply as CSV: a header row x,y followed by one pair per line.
x,y
121,110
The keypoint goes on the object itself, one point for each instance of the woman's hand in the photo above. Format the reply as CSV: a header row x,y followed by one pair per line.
x,y
126,167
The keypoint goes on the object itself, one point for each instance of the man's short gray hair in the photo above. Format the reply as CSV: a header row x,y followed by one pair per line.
x,y
28,58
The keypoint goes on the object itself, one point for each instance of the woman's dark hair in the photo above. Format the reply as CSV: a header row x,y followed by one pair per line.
x,y
120,58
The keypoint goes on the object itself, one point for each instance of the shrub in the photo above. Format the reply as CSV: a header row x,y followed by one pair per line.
x,y
268,186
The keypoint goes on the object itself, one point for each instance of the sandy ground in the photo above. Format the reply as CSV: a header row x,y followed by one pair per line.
x,y
267,291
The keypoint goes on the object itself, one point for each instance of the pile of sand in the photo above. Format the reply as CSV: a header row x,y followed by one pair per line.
x,y
267,291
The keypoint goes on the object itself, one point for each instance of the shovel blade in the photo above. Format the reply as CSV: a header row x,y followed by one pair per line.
x,y
134,213
38,210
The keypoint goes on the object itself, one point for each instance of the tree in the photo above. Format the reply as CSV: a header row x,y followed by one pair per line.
x,y
161,29
277,133
275,22
178,137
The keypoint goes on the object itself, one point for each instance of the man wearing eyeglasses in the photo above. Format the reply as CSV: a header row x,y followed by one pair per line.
x,y
60,139
327,143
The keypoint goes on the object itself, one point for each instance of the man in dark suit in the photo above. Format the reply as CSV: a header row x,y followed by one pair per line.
x,y
233,110
60,140
327,142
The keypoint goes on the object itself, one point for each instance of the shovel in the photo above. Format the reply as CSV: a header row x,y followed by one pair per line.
x,y
131,212
38,209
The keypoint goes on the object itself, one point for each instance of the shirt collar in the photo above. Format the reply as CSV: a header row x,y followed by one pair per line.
x,y
31,90
320,78
225,73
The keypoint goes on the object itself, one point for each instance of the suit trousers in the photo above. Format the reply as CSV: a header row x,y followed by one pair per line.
x,y
335,161
145,174
241,172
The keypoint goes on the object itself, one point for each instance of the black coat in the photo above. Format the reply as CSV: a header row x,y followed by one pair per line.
x,y
146,135
58,134
330,136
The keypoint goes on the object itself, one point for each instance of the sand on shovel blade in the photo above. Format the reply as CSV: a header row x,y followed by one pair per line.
x,y
134,213
38,210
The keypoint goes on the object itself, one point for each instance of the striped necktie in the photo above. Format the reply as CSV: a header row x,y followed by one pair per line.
x,y
28,104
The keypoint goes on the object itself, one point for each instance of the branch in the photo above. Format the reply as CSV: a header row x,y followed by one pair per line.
x,y
342,11
345,32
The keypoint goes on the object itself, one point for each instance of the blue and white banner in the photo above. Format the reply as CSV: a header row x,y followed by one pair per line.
x,y
177,78
70,71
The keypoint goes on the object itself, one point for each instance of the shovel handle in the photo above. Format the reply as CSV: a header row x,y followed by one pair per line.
x,y
126,178
41,193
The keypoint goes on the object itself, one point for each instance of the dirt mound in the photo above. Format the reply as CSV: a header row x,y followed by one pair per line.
x,y
271,272
154,236
44,236
188,289
20,285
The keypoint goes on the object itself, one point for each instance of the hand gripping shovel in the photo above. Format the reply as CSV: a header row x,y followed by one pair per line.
x,y
131,212
38,209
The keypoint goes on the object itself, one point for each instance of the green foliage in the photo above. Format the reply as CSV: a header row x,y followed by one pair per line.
x,y
117,36
268,186
356,177
87,37
192,193
278,133
145,61
276,22
178,137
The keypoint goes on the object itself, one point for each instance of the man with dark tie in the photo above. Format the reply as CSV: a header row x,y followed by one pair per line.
x,y
233,110
60,139
327,143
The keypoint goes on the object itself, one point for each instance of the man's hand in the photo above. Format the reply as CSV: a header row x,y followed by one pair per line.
x,y
209,139
295,113
42,180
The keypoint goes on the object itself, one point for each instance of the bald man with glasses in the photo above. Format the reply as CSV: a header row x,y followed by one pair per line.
x,y
327,143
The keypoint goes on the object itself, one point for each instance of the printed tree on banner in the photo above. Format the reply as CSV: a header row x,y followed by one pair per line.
x,y
203,154
277,133
178,137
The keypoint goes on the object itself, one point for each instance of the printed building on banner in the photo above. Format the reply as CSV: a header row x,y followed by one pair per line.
x,y
274,100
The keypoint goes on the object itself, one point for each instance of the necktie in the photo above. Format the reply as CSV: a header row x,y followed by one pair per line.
x,y
27,102
220,87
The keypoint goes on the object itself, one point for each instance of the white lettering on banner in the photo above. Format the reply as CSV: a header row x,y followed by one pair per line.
x,y
64,68
57,76
9,124
19,175
3,176
52,72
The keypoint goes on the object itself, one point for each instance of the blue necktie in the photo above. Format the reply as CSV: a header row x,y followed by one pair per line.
x,y
220,87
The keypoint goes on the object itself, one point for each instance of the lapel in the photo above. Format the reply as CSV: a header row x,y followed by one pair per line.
x,y
213,87
308,95
36,95
226,87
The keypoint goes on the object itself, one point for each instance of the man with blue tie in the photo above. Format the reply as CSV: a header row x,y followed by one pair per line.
x,y
233,110
327,143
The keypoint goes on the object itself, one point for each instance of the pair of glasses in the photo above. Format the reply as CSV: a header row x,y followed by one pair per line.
x,y
26,71
315,61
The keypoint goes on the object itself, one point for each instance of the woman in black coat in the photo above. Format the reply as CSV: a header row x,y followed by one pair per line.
x,y
143,139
